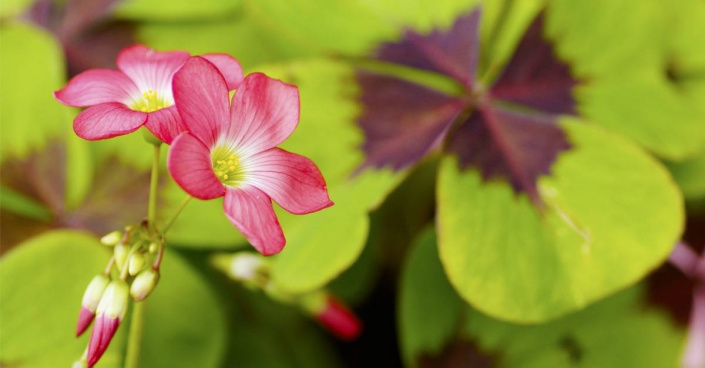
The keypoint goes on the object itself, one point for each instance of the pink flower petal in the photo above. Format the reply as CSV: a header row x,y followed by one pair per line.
x,y
264,113
228,67
85,317
102,334
97,86
107,120
190,165
151,69
250,210
293,181
201,96
165,124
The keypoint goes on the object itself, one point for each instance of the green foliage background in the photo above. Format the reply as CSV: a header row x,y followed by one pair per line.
x,y
474,267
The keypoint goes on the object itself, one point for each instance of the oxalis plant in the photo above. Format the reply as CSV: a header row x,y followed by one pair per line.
x,y
516,183
218,147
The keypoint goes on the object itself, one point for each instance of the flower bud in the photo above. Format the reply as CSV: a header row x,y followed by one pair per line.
x,y
153,248
245,266
120,253
81,363
143,284
112,239
110,313
334,316
136,264
89,304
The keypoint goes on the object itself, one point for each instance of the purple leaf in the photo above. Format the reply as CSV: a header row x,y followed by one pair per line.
x,y
535,77
402,121
90,38
459,354
100,47
512,133
514,146
118,195
81,15
454,52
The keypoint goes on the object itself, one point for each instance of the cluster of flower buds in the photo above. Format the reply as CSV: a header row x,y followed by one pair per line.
x,y
253,271
132,271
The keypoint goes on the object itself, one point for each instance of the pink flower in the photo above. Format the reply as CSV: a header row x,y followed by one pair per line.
x,y
339,320
89,304
140,93
230,150
111,312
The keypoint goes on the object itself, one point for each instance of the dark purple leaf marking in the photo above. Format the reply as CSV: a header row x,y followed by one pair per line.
x,y
459,354
535,77
118,195
402,121
86,30
453,52
514,146
511,132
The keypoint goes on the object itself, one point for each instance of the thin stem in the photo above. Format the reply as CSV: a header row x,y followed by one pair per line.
x,y
109,267
498,27
134,342
684,258
160,255
152,210
176,214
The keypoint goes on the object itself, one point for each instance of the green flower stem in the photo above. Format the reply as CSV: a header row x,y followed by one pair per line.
x,y
176,214
153,185
492,68
109,267
134,340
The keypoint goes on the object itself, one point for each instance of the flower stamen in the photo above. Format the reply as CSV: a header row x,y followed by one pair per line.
x,y
150,101
227,167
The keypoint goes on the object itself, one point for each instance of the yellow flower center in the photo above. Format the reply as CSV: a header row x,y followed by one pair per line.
x,y
149,102
227,167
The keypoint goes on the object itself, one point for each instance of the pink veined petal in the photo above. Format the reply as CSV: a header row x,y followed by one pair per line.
x,y
97,86
107,120
201,96
151,69
165,124
228,67
291,180
264,113
250,210
190,165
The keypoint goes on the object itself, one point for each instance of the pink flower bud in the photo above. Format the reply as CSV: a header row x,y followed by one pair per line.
x,y
90,301
143,284
110,313
339,320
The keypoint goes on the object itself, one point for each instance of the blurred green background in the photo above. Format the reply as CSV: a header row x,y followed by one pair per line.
x,y
445,269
